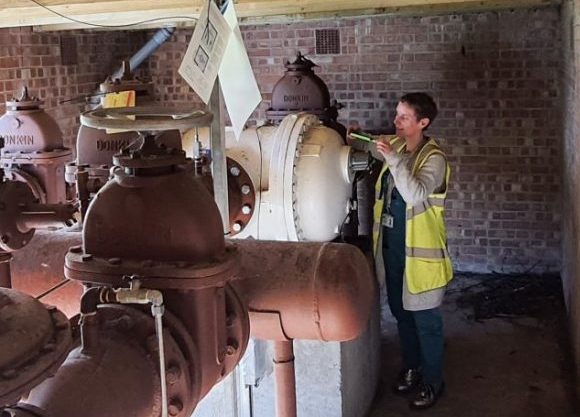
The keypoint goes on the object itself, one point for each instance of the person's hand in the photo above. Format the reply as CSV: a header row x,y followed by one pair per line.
x,y
384,147
353,127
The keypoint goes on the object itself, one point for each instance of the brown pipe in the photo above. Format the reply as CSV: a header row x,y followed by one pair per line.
x,y
121,376
46,216
117,381
38,269
294,290
285,378
305,290
5,275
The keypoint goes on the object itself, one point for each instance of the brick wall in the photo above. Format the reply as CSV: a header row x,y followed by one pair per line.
x,y
34,59
495,76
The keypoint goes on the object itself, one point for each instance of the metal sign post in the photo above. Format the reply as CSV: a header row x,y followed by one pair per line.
x,y
218,154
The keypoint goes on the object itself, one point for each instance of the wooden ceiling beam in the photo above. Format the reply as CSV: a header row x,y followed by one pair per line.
x,y
259,8
15,13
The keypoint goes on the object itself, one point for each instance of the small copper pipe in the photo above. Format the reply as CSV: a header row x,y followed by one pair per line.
x,y
47,215
5,276
285,378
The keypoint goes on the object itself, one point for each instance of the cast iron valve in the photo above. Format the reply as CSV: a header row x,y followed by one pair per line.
x,y
173,242
34,342
300,63
20,215
126,81
34,152
25,102
150,158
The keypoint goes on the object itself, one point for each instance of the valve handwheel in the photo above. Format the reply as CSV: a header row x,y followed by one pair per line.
x,y
146,118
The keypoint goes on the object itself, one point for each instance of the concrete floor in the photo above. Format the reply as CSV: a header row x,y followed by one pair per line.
x,y
503,365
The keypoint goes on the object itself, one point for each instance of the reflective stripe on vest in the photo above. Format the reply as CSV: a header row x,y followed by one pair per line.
x,y
426,253
427,262
424,206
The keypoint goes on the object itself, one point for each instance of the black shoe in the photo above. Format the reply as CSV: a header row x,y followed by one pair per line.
x,y
427,396
408,379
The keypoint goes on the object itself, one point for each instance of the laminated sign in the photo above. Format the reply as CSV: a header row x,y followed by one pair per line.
x,y
204,54
239,86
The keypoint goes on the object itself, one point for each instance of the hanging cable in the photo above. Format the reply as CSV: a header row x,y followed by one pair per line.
x,y
72,19
52,289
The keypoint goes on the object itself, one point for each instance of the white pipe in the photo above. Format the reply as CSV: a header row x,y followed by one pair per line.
x,y
147,50
157,312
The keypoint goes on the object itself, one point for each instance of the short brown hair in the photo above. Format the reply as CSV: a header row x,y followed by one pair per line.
x,y
423,104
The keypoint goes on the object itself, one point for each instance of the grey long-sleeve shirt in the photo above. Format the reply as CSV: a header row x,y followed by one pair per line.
x,y
416,188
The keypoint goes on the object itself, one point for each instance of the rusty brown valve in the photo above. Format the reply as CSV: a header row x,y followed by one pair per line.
x,y
35,340
153,229
20,215
32,188
34,152
300,89
96,147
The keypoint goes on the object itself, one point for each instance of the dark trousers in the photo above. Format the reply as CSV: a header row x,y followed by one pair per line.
x,y
420,332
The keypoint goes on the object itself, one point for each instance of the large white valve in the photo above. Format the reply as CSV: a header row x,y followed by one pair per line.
x,y
301,176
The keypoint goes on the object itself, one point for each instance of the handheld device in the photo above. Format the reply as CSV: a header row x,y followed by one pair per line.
x,y
362,137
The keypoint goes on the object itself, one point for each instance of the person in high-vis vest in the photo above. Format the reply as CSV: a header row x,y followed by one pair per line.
x,y
410,245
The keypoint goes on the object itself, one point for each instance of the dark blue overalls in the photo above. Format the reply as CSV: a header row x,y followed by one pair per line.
x,y
420,332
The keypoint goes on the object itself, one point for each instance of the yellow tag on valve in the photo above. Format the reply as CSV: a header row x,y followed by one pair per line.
x,y
121,99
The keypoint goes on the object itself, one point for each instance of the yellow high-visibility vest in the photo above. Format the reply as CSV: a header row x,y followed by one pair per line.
x,y
427,262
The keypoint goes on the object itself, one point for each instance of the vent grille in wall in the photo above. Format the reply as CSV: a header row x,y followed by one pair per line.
x,y
327,41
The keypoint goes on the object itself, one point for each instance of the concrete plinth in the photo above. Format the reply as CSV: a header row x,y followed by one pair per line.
x,y
332,380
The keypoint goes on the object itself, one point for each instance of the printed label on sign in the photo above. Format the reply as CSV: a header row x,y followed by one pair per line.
x,y
204,54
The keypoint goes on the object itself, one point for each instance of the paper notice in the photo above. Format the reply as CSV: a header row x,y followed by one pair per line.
x,y
204,54
122,99
239,86
115,100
